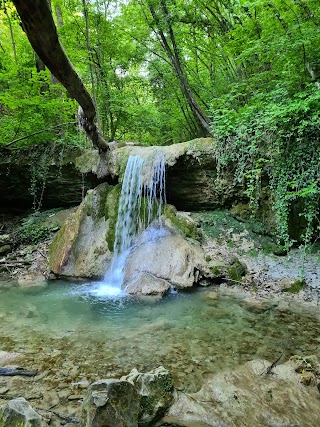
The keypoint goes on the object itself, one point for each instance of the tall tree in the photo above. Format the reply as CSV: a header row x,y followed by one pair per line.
x,y
162,25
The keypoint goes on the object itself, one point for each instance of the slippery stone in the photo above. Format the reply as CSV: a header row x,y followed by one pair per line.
x,y
19,413
111,403
156,393
146,284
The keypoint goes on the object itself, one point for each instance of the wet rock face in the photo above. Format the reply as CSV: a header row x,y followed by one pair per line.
x,y
111,403
19,413
193,184
250,396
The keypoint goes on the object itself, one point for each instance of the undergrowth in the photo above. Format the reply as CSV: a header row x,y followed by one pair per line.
x,y
274,142
34,228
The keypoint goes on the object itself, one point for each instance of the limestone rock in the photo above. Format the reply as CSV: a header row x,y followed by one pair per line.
x,y
64,183
156,393
111,403
249,397
164,255
210,296
19,413
7,357
80,248
192,178
146,284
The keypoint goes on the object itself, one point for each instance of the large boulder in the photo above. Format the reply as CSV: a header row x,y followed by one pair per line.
x,y
18,413
111,403
156,393
161,253
80,248
163,257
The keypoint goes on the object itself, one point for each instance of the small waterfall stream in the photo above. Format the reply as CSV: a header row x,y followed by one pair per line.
x,y
141,203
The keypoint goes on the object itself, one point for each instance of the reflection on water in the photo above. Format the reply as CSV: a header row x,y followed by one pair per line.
x,y
187,333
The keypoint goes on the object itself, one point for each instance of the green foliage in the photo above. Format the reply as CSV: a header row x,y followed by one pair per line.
x,y
34,229
267,121
255,65
280,141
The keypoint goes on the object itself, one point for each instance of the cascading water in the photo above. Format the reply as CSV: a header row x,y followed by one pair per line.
x,y
141,202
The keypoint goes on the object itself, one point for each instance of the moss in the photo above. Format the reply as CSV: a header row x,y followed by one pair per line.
x,y
186,227
208,258
216,271
63,242
111,213
297,286
241,210
236,271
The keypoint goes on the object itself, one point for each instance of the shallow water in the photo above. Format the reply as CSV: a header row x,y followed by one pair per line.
x,y
76,334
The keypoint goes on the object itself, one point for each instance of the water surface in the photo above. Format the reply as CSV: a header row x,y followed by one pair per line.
x,y
67,325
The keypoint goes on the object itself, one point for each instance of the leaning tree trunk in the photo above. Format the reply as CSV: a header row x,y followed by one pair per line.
x,y
37,22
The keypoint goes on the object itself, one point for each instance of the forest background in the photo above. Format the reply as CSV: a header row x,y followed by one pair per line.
x,y
165,71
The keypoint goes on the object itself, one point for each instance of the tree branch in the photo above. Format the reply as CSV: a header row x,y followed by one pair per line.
x,y
38,24
37,133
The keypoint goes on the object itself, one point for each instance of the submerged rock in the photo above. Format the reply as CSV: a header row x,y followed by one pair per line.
x,y
32,279
111,403
19,413
156,393
249,396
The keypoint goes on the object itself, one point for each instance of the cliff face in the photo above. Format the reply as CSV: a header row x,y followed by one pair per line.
x,y
44,176
52,175
192,179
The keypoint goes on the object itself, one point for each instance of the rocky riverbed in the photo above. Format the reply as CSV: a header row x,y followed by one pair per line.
x,y
268,289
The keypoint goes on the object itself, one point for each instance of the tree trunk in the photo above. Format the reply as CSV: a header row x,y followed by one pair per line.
x,y
201,117
13,43
39,26
86,19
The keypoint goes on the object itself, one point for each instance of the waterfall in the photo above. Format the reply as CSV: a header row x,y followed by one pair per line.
x,y
141,202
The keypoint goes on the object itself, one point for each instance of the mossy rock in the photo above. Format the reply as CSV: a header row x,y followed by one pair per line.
x,y
95,201
80,249
88,161
217,272
182,223
297,286
156,393
236,271
111,213
62,244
